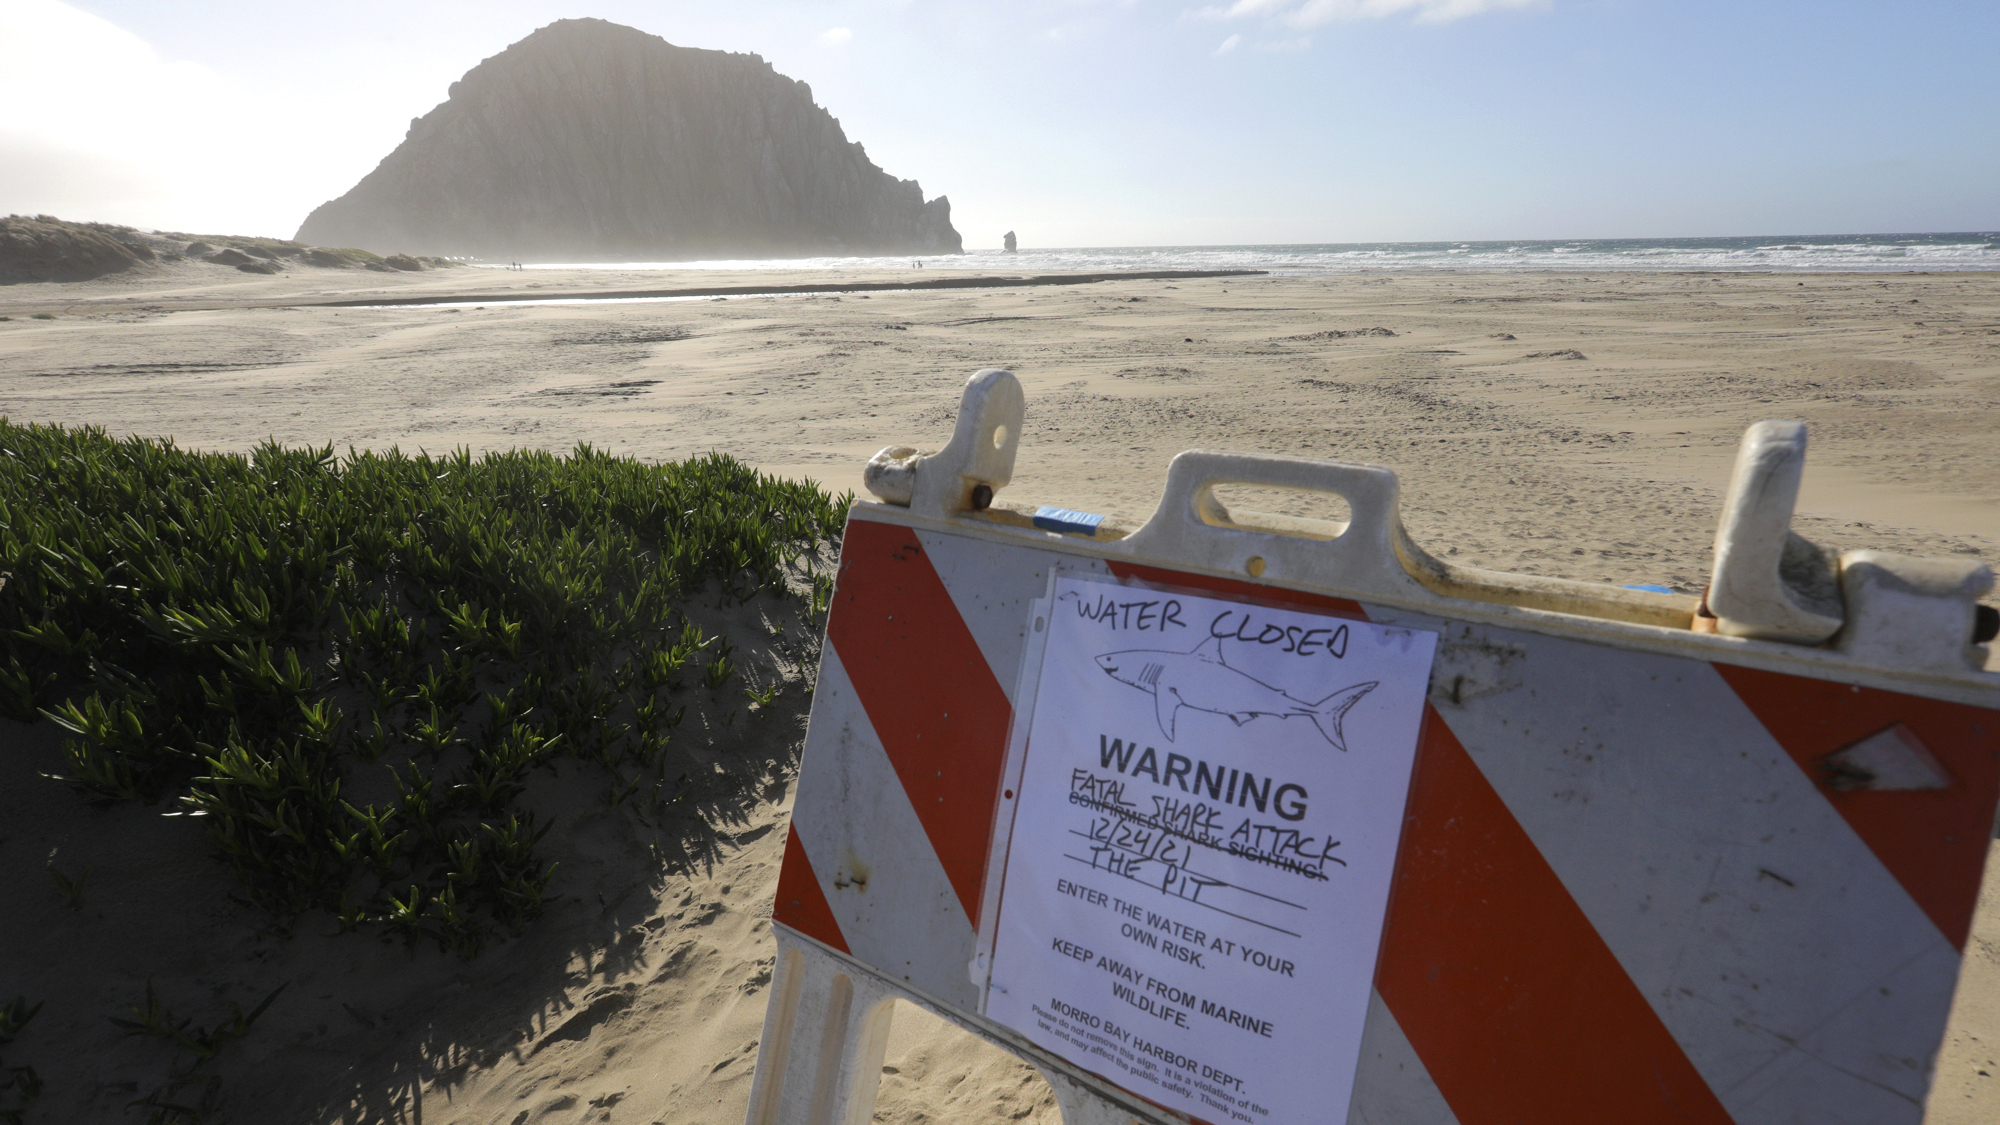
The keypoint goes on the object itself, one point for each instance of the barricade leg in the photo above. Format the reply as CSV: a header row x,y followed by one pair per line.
x,y
825,1032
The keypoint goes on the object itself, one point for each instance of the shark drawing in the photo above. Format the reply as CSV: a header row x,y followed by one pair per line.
x,y
1200,680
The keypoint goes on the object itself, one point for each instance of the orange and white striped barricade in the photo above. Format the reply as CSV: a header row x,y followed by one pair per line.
x,y
1574,854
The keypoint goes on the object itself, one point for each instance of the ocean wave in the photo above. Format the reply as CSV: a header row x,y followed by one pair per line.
x,y
1763,254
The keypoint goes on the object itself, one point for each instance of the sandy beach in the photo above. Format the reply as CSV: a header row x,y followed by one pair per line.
x,y
1574,425
1559,424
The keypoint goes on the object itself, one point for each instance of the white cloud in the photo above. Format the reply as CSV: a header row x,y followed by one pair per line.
x,y
65,73
99,145
1229,44
836,37
1240,9
100,126
1313,13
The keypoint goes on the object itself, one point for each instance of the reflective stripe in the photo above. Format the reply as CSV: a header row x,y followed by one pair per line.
x,y
1736,899
994,589
893,900
1391,1086
1934,840
933,702
800,903
1517,1007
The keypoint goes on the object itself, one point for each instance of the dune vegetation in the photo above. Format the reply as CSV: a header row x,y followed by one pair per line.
x,y
355,670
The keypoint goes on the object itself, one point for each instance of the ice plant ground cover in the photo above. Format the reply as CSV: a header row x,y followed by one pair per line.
x,y
358,670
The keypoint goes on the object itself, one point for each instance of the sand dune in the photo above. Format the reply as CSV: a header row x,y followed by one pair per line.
x,y
1569,425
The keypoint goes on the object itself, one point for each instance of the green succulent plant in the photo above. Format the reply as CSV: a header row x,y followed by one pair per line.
x,y
247,637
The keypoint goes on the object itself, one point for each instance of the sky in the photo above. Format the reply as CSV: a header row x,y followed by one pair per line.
x,y
1098,122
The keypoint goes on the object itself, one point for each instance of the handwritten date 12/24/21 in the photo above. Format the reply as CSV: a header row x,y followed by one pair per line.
x,y
1166,870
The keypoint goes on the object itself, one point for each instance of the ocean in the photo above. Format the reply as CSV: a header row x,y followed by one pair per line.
x,y
1840,253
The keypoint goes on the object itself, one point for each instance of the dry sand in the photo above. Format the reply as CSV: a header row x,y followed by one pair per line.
x,y
1564,424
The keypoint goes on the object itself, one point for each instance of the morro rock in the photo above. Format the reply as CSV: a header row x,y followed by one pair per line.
x,y
590,141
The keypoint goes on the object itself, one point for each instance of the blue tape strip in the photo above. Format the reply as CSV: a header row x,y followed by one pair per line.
x,y
1064,520
1649,587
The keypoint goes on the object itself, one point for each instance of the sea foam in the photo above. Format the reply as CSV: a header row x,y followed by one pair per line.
x,y
1859,253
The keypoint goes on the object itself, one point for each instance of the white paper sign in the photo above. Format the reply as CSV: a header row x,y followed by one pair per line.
x,y
1199,863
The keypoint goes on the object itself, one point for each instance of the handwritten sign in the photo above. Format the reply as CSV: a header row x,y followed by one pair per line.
x,y
1199,863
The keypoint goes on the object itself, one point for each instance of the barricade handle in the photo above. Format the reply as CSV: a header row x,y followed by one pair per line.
x,y
1191,527
1769,582
975,464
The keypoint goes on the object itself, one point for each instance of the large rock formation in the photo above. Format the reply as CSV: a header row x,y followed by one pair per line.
x,y
590,141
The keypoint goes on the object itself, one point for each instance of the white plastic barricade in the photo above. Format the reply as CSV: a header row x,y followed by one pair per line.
x,y
1237,817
